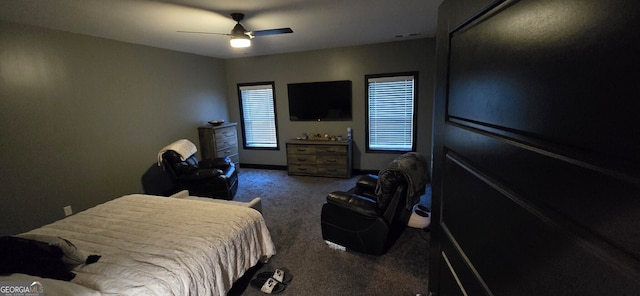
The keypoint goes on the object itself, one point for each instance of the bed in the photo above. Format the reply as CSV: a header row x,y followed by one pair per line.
x,y
152,245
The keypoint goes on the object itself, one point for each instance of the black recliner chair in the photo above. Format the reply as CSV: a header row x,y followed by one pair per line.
x,y
215,178
370,217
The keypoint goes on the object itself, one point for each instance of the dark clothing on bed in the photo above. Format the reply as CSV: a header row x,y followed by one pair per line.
x,y
19,255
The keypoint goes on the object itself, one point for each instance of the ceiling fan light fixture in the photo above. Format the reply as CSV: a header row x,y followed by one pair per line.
x,y
240,37
240,41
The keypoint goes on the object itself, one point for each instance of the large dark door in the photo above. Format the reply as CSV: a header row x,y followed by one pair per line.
x,y
537,148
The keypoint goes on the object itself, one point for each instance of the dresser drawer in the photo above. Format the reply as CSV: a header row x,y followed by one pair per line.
x,y
302,169
332,150
226,143
328,160
227,152
302,159
332,171
301,149
235,159
227,134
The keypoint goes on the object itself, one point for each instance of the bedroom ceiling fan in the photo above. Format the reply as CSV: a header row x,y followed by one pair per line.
x,y
240,37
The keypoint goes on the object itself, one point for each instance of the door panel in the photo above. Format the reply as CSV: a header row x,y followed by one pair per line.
x,y
536,179
516,249
507,65
568,192
453,279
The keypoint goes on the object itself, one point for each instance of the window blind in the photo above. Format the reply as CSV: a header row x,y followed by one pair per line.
x,y
391,108
258,115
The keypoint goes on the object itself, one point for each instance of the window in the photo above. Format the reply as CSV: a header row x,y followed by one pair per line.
x,y
391,105
257,111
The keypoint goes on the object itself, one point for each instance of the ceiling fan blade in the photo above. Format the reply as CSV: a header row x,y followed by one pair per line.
x,y
271,32
195,32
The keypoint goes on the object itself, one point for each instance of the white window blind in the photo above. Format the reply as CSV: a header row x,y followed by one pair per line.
x,y
258,114
391,108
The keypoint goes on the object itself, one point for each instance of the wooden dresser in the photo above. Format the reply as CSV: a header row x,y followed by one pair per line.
x,y
319,158
219,141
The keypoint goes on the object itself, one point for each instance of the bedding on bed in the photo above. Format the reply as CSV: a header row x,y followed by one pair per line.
x,y
164,246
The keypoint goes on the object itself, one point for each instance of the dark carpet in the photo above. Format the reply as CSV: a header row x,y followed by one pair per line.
x,y
291,208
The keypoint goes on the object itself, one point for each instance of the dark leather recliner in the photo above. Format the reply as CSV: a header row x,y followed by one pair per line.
x,y
215,178
370,217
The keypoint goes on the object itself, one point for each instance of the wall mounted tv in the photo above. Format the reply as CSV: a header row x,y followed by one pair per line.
x,y
320,101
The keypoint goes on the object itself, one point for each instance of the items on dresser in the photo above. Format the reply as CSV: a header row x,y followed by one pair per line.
x,y
320,137
219,141
319,158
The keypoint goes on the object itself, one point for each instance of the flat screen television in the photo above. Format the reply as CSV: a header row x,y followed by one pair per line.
x,y
320,101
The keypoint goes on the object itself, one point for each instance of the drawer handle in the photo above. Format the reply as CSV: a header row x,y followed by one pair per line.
x,y
302,150
302,169
331,150
302,159
228,133
331,160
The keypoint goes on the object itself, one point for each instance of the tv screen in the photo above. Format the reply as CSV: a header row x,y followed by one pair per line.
x,y
320,101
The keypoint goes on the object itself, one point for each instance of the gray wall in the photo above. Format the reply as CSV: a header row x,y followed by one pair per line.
x,y
83,118
350,63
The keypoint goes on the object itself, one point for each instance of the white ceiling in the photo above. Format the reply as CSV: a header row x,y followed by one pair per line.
x,y
317,24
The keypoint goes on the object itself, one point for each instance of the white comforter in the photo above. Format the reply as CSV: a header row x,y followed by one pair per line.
x,y
164,246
